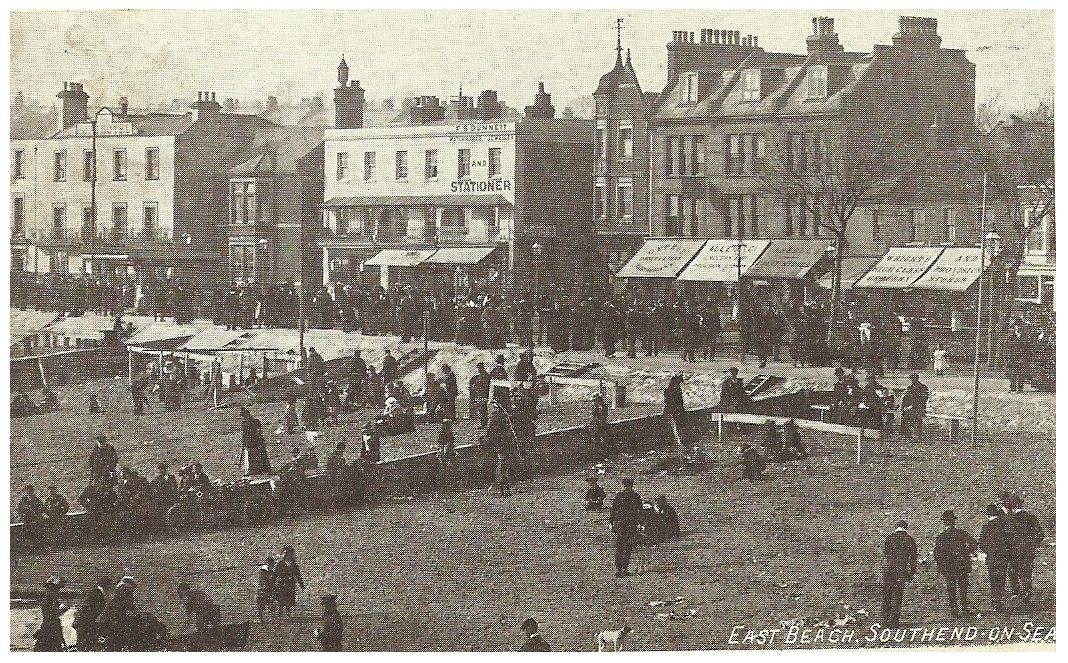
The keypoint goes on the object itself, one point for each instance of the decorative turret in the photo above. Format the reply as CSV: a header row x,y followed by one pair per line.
x,y
543,106
348,100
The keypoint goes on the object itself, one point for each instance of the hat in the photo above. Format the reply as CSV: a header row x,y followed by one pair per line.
x,y
128,580
101,438
499,359
54,581
949,517
329,599
902,524
993,510
529,626
591,479
627,481
914,376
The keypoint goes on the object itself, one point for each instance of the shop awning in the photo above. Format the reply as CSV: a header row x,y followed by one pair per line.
x,y
789,258
442,200
460,255
661,258
717,262
400,257
853,267
954,271
900,268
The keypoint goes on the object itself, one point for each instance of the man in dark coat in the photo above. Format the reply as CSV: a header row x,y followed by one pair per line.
x,y
254,458
331,628
953,551
1025,535
102,460
478,388
207,617
89,609
595,495
899,566
33,512
389,368
599,423
624,517
534,642
732,396
675,408
448,383
994,542
914,407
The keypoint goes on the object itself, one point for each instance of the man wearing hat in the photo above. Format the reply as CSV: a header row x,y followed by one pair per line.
x,y
624,518
32,511
953,551
501,395
1026,534
50,636
914,407
103,459
85,617
899,566
732,396
478,388
595,495
994,542
534,641
330,629
599,423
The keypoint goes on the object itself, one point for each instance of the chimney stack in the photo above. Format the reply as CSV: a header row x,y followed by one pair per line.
x,y
823,38
488,108
543,107
272,103
917,32
205,107
348,100
74,104
124,106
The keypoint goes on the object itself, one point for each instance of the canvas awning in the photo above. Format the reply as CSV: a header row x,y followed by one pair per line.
x,y
717,262
900,268
661,258
460,255
853,267
789,258
954,271
442,200
400,257
211,339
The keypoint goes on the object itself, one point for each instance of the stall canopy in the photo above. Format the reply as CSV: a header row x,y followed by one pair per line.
x,y
789,259
853,267
900,268
718,262
954,271
460,255
441,200
661,258
400,257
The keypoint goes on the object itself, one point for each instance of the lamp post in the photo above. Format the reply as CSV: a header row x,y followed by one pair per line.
x,y
979,316
993,240
536,250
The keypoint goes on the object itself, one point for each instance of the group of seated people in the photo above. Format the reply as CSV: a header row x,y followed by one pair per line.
x,y
24,406
778,446
859,403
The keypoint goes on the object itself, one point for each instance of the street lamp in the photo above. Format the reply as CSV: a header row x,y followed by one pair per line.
x,y
536,250
979,313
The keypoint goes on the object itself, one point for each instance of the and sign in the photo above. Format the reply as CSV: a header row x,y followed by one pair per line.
x,y
900,268
955,270
789,258
661,258
718,261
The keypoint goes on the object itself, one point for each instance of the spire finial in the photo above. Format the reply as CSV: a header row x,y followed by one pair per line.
x,y
619,36
628,58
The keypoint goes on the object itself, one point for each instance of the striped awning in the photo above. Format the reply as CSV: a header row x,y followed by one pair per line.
x,y
442,200
460,255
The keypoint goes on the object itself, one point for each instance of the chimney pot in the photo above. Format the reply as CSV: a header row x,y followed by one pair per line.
x,y
200,96
212,97
754,41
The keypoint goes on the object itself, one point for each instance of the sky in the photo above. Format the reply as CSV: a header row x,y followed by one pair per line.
x,y
153,56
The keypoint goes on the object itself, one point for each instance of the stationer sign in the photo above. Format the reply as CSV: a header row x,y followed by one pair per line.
x,y
661,258
900,268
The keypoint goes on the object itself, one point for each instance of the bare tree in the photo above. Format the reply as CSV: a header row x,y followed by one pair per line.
x,y
829,184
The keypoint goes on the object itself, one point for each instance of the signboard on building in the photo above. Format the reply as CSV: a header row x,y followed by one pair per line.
x,y
900,268
789,258
718,260
955,270
661,258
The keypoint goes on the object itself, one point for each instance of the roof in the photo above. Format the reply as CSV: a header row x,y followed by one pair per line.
x,y
277,149
621,75
161,124
444,199
31,125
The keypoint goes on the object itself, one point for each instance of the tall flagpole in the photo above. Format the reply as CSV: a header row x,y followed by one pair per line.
x,y
979,317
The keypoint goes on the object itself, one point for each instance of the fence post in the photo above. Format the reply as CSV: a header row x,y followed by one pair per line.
x,y
719,427
860,436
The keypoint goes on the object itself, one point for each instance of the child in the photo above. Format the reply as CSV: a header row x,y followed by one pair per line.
x,y
940,360
94,404
264,580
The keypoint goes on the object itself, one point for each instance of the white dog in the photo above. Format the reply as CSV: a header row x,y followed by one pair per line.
x,y
613,640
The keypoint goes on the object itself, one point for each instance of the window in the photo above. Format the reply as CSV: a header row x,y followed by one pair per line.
x,y
817,81
17,168
802,217
368,166
88,224
910,226
602,143
625,198
402,165
59,167
689,87
759,153
697,159
59,221
431,164
1036,237
684,148
341,220
745,154
18,215
151,163
600,209
453,217
788,218
463,164
88,166
626,142
670,145
494,162
119,221
876,225
242,202
734,219
149,221
342,165
672,215
949,225
751,88
243,262
120,165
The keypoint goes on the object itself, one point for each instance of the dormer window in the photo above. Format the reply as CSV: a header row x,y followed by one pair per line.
x,y
751,85
689,87
817,81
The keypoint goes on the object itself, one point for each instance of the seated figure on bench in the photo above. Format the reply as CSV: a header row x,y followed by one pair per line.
x,y
395,418
793,447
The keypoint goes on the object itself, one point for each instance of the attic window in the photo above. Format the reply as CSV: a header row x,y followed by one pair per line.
x,y
817,81
751,89
689,87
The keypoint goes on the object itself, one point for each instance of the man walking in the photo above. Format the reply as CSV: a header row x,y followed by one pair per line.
x,y
899,566
89,609
914,407
994,542
625,514
331,628
1025,535
953,558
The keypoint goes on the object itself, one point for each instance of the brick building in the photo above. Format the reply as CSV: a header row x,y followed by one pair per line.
x,y
456,194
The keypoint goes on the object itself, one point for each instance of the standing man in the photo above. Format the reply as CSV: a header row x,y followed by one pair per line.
x,y
102,460
953,557
389,367
994,542
624,517
675,408
732,396
254,459
331,628
899,566
85,616
448,383
914,407
478,388
1026,534
599,422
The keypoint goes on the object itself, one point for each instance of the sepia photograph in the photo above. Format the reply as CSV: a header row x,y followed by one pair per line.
x,y
583,330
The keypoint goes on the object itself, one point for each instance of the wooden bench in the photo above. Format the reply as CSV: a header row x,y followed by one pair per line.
x,y
954,422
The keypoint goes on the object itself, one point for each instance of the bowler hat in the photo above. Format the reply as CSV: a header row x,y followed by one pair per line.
x,y
949,517
627,481
993,510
